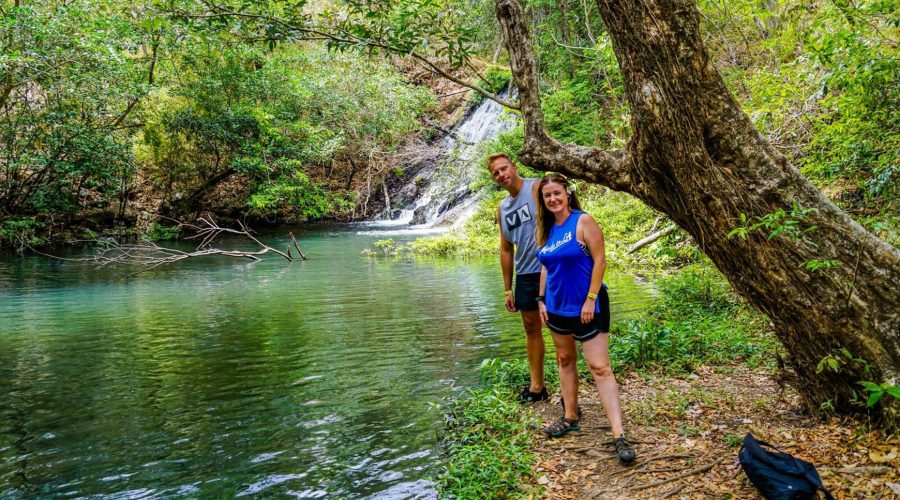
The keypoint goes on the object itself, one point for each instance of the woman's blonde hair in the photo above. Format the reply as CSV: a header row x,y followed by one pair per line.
x,y
545,219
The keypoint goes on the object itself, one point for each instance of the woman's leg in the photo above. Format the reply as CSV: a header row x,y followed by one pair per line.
x,y
567,359
596,353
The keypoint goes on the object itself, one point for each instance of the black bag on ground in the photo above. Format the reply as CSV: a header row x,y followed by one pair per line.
x,y
778,475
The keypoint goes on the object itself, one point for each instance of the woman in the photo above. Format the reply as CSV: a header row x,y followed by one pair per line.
x,y
574,303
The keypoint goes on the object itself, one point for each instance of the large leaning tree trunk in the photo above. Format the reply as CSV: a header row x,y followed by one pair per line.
x,y
696,156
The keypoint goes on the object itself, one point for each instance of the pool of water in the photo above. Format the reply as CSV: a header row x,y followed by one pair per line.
x,y
218,377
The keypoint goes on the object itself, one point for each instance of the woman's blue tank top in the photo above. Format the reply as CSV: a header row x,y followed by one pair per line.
x,y
569,267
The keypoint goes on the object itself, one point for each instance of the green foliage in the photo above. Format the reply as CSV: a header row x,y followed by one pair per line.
x,y
788,224
819,265
65,89
158,232
387,247
297,198
487,440
279,116
843,362
819,79
878,391
16,231
516,374
495,80
696,320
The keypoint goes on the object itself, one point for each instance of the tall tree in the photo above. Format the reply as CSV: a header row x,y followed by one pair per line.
x,y
696,156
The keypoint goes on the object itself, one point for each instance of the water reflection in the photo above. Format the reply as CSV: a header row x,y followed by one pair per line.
x,y
219,378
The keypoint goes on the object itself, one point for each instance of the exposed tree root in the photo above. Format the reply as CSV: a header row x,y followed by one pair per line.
x,y
698,470
673,491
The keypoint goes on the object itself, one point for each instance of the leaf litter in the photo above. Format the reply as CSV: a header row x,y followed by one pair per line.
x,y
687,431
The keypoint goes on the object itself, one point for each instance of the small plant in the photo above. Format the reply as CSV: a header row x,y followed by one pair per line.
x,y
398,171
387,247
732,440
819,265
877,391
843,360
778,223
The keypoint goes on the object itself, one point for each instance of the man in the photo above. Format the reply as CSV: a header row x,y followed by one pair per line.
x,y
518,249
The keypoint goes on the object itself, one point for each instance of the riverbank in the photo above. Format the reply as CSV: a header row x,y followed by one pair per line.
x,y
697,372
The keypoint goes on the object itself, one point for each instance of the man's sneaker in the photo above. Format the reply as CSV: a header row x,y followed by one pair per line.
x,y
562,426
623,450
526,396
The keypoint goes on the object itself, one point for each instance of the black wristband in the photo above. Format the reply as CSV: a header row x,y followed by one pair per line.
x,y
539,298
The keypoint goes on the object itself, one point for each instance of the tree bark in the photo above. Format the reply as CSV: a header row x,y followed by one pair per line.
x,y
696,156
563,19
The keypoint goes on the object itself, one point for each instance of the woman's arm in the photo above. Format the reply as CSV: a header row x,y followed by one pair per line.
x,y
589,232
542,291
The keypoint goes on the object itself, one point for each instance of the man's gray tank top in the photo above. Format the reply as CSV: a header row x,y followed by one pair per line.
x,y
517,219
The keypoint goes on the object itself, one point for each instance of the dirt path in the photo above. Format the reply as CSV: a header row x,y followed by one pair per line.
x,y
687,433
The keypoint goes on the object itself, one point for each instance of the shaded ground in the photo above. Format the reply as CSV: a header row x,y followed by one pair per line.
x,y
687,434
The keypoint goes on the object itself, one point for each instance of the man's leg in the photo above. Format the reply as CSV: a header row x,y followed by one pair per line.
x,y
534,346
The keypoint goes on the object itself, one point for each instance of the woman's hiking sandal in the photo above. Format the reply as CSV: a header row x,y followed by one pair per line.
x,y
623,450
562,426
526,396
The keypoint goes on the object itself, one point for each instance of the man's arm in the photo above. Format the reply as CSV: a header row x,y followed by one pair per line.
x,y
507,255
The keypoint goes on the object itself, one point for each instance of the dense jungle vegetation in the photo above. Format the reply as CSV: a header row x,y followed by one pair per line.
x,y
113,117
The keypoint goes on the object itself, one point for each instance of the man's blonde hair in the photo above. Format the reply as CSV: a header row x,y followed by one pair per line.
x,y
496,156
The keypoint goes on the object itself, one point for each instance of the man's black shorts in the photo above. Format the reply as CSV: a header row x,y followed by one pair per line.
x,y
527,288
572,325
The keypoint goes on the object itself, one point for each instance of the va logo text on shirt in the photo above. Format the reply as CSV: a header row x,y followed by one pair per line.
x,y
517,217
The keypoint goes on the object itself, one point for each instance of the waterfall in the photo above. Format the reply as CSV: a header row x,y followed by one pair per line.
x,y
446,201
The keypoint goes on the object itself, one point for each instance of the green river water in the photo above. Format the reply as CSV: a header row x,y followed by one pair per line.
x,y
215,377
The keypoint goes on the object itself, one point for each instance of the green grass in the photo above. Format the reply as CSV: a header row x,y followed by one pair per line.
x,y
488,440
697,320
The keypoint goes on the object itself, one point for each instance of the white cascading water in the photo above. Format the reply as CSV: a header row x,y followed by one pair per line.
x,y
448,202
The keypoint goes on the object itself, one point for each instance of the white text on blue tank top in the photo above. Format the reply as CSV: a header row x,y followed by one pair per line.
x,y
517,217
565,239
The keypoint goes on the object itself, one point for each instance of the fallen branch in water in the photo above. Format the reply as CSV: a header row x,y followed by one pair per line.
x,y
148,255
297,246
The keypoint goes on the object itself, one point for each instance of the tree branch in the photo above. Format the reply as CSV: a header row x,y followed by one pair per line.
x,y
149,256
541,150
651,238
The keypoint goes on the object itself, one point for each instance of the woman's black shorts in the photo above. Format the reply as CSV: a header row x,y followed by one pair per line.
x,y
572,325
